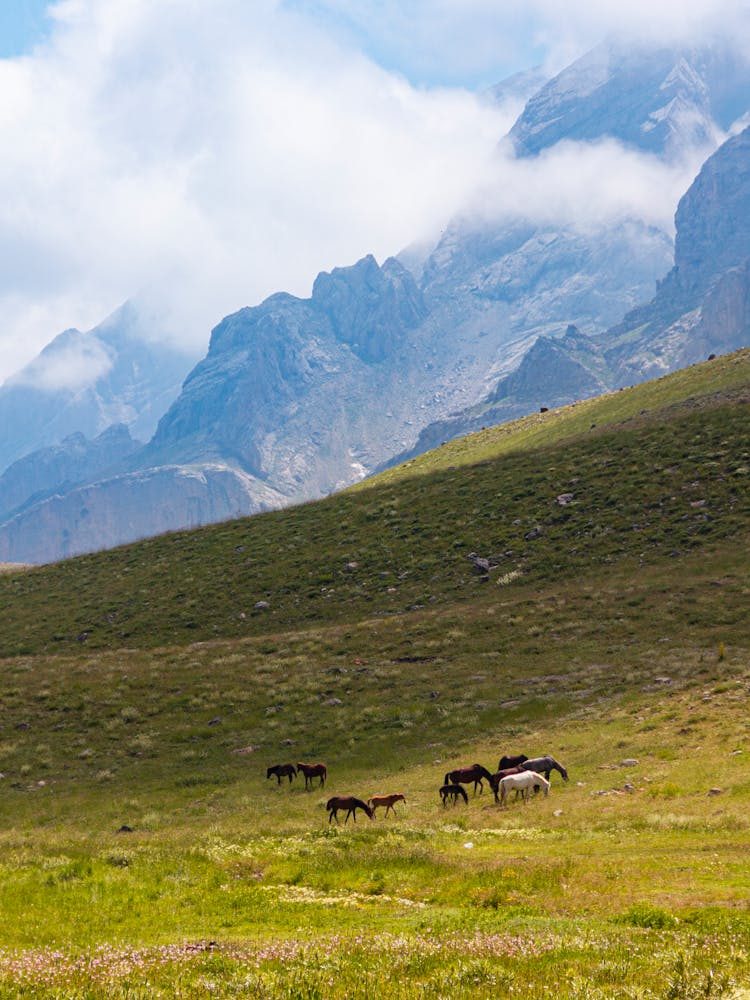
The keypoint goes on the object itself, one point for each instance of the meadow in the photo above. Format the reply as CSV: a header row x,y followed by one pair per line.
x,y
143,694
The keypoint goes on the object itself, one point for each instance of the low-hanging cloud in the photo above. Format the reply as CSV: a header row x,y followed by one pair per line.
x,y
586,185
203,156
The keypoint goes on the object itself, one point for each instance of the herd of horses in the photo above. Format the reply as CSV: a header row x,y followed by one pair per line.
x,y
518,774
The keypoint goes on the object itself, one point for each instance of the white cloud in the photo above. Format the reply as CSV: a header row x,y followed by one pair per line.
x,y
72,365
486,39
204,156
587,185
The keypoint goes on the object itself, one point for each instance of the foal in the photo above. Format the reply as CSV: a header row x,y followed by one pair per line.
x,y
388,801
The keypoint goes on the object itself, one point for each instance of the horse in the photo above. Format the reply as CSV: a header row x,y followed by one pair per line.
x,y
496,778
544,765
349,803
514,761
522,782
311,771
452,791
386,800
465,775
282,771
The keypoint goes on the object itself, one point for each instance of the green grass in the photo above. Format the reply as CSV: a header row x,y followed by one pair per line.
x,y
618,633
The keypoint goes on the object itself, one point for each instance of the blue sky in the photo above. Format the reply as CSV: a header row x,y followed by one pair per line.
x,y
22,24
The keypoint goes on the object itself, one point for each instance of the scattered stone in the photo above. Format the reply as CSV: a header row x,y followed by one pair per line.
x,y
261,605
351,566
82,636
333,702
557,812
468,845
734,754
243,751
480,564
564,498
286,743
715,791
534,533
215,722
125,828
662,680
630,762
628,787
436,694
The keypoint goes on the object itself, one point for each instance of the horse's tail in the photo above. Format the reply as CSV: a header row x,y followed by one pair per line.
x,y
447,778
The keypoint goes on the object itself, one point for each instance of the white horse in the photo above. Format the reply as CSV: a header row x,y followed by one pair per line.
x,y
522,783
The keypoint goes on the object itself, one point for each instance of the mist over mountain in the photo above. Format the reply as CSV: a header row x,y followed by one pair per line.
x,y
518,304
85,382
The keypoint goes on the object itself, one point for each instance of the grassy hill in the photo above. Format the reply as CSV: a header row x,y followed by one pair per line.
x,y
151,686
657,470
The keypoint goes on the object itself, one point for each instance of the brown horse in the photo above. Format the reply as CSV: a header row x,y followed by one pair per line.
x,y
282,771
388,801
311,771
498,776
349,803
448,791
467,775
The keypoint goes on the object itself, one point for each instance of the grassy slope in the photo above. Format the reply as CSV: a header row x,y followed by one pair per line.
x,y
657,469
605,648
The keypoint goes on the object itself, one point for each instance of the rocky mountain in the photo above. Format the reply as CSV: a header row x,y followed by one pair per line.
x,y
298,397
701,307
129,507
658,99
62,467
116,373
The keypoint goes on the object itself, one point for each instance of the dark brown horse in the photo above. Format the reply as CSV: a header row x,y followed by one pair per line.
x,y
498,776
544,765
467,775
349,803
282,771
452,792
513,761
311,771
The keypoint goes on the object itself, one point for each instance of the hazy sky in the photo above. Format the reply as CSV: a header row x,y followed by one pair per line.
x,y
201,155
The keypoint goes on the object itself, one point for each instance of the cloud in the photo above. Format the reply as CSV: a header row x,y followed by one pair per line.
x,y
75,361
484,40
205,155
585,185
